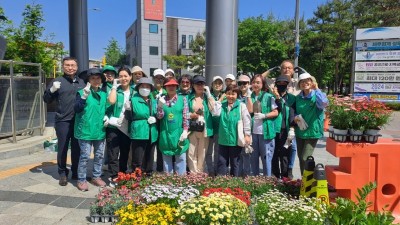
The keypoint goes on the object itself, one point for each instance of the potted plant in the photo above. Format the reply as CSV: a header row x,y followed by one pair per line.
x,y
338,111
94,213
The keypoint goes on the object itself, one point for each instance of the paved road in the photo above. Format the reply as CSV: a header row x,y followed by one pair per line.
x,y
30,194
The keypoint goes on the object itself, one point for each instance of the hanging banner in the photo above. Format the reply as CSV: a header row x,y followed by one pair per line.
x,y
377,55
154,10
378,66
376,76
377,87
393,44
379,96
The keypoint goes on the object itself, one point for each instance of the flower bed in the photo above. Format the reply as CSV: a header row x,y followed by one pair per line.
x,y
172,199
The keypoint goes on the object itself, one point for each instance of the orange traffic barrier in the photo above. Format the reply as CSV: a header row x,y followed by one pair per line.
x,y
327,121
361,163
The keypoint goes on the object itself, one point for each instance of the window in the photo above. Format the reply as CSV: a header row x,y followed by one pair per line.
x,y
153,28
152,71
153,50
190,41
183,41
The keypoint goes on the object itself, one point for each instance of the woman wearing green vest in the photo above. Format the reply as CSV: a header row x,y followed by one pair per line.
x,y
212,152
185,84
309,108
90,108
201,104
265,111
118,141
173,110
143,131
232,110
283,127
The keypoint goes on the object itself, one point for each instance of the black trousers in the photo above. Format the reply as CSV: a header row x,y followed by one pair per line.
x,y
228,155
65,134
118,147
143,155
280,160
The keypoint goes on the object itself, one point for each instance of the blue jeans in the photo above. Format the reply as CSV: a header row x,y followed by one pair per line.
x,y
86,147
265,149
293,153
244,163
180,164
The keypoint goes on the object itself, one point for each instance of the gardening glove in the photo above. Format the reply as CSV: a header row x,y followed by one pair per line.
x,y
127,105
276,68
248,92
159,94
86,91
55,87
116,84
183,136
120,120
301,122
161,101
207,91
106,120
248,149
259,116
151,120
201,120
291,134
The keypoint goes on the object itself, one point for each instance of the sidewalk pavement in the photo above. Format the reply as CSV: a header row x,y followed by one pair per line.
x,y
30,194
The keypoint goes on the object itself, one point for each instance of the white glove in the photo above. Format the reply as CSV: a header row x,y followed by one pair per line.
x,y
248,93
120,120
184,135
161,102
151,120
86,91
55,87
116,84
201,120
291,134
207,91
106,120
159,94
127,105
301,122
259,116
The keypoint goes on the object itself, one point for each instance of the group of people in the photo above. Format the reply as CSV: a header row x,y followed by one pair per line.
x,y
128,117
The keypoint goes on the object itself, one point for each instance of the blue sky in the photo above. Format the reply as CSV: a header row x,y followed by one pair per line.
x,y
115,16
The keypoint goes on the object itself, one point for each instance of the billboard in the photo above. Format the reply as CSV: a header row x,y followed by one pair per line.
x,y
376,63
154,10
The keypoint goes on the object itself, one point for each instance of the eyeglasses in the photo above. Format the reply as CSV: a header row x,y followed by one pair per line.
x,y
287,68
240,83
185,82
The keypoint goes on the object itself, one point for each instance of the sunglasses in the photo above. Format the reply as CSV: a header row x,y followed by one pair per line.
x,y
240,83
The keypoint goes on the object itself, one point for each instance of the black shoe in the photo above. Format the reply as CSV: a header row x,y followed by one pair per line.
x,y
63,181
290,173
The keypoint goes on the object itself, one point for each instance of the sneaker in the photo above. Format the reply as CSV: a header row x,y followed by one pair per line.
x,y
63,181
98,182
82,186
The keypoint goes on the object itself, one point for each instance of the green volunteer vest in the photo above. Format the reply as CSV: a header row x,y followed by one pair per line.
x,y
228,124
139,129
115,109
89,123
108,90
171,128
268,124
154,93
207,113
313,116
285,106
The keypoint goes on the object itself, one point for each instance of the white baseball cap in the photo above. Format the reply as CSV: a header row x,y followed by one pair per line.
x,y
218,78
170,70
230,76
159,72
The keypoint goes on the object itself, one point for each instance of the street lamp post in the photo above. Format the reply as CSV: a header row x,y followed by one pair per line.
x,y
297,42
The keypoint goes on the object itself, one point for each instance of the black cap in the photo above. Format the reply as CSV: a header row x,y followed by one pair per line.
x,y
198,79
283,78
95,71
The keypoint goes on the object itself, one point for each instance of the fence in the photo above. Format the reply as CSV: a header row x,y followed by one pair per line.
x,y
22,111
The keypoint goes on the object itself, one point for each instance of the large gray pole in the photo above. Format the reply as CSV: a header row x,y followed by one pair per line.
x,y
221,38
297,33
78,32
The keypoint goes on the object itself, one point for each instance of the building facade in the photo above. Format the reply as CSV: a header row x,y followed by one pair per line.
x,y
153,34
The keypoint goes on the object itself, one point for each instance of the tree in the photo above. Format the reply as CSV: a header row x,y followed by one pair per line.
x,y
24,42
259,44
114,53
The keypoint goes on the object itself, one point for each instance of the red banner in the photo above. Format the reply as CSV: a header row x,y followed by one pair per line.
x,y
154,10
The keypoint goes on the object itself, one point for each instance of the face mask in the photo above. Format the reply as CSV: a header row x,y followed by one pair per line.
x,y
144,92
281,88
